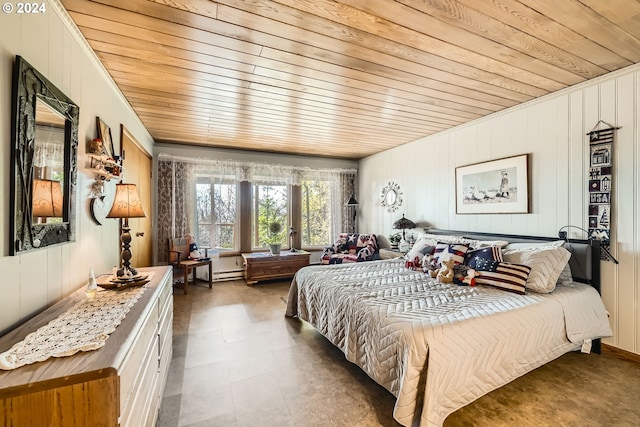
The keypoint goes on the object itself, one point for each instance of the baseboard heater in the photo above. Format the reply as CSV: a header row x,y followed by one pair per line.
x,y
221,276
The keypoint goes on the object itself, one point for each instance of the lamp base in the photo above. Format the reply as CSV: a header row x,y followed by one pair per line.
x,y
127,271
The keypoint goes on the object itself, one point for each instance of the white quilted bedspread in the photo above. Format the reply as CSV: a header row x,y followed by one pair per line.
x,y
438,347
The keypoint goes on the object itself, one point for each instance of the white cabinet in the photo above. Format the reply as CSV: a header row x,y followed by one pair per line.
x,y
120,384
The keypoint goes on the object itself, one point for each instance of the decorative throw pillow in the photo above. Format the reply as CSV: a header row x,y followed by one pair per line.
x,y
503,275
456,251
416,253
490,253
546,265
422,242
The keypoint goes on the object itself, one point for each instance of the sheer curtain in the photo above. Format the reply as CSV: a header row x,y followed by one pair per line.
x,y
176,190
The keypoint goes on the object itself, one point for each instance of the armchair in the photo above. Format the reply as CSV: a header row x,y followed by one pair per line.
x,y
351,247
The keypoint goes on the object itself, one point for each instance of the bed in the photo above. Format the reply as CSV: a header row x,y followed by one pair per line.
x,y
437,346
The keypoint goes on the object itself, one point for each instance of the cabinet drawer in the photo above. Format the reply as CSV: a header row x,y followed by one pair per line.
x,y
136,413
166,317
130,372
165,297
165,361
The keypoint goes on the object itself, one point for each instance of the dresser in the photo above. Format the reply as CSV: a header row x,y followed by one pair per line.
x,y
264,266
120,384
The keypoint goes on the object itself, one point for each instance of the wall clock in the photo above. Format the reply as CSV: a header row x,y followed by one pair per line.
x,y
391,197
101,204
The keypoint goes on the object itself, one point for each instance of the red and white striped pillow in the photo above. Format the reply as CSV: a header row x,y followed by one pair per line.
x,y
504,275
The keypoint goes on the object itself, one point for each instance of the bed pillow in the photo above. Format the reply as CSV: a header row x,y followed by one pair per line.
x,y
473,243
491,253
477,244
534,245
421,242
415,255
456,251
503,275
546,265
566,276
443,238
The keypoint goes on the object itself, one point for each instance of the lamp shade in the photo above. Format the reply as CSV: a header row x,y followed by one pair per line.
x,y
352,201
47,198
404,223
126,203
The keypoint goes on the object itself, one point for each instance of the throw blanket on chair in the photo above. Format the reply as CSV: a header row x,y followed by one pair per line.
x,y
351,247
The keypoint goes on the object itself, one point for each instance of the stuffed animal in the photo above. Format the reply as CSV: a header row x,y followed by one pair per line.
x,y
429,265
445,274
194,253
470,278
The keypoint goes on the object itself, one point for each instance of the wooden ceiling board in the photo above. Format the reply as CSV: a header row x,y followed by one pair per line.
x,y
345,78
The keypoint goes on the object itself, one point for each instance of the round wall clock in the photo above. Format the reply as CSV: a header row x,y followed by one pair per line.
x,y
101,204
391,197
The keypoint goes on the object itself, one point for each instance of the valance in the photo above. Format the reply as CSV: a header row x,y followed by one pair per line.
x,y
255,171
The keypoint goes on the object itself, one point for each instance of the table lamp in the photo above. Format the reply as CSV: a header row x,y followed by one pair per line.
x,y
126,205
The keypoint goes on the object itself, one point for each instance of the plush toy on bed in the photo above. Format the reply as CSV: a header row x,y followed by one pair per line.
x,y
470,278
445,274
429,265
464,275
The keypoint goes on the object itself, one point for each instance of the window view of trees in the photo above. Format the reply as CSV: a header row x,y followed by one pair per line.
x,y
270,204
316,213
216,210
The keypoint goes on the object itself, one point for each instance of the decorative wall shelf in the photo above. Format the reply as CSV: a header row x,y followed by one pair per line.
x,y
105,167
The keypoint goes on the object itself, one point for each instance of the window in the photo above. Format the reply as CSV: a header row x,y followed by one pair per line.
x,y
316,213
217,213
270,205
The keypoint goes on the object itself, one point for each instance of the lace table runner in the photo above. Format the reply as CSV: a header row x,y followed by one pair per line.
x,y
83,327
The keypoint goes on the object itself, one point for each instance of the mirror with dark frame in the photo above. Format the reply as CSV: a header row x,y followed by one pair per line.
x,y
44,131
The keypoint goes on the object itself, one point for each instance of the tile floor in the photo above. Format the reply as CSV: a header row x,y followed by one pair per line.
x,y
238,361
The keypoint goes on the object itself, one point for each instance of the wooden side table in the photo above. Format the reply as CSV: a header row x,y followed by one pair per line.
x,y
191,265
264,266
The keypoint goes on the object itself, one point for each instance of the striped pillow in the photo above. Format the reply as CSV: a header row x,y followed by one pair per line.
x,y
503,275
456,251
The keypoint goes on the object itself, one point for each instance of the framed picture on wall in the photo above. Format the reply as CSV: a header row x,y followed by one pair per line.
x,y
495,187
104,133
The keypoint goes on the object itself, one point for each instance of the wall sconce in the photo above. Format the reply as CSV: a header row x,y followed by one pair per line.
x,y
47,198
126,205
563,235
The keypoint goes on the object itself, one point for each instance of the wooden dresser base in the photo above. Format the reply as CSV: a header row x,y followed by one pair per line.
x,y
120,384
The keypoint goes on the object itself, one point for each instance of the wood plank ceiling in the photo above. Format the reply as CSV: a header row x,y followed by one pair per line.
x,y
345,78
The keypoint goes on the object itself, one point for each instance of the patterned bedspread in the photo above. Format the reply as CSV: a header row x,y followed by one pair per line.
x,y
438,347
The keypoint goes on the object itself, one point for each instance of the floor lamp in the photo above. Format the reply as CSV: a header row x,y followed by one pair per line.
x,y
353,203
126,205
